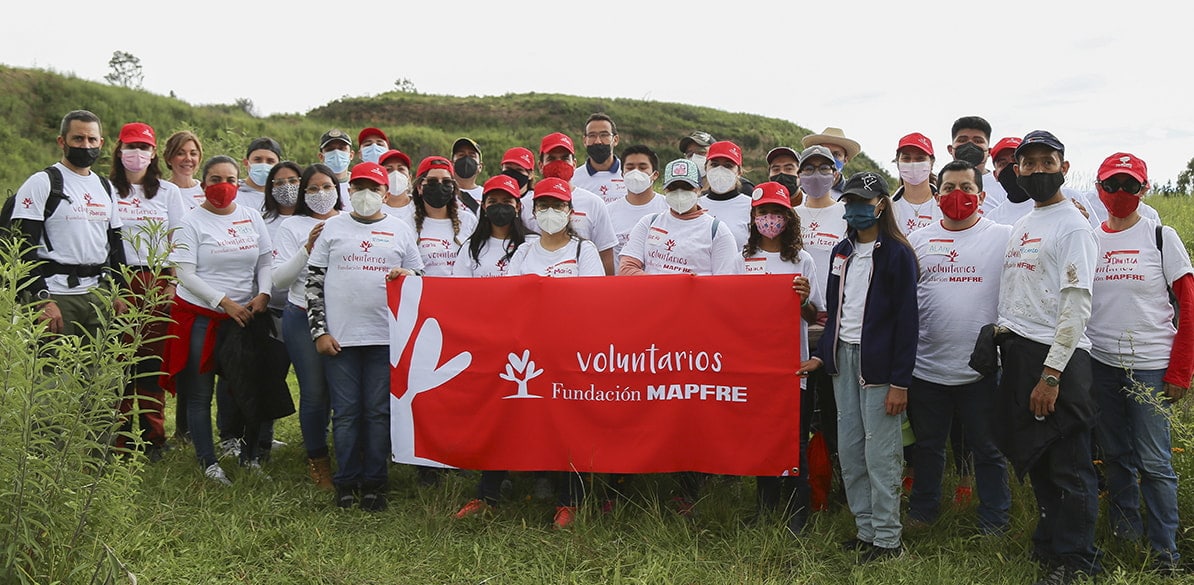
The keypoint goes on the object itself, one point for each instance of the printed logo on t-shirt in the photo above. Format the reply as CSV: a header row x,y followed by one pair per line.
x,y
1119,265
241,236
93,211
1024,257
816,240
915,223
670,245
27,202
436,252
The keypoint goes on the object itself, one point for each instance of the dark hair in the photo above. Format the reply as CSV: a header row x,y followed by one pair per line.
x,y
961,165
271,208
264,143
970,122
601,117
453,206
888,227
642,149
480,236
81,116
301,207
790,241
175,143
215,160
120,180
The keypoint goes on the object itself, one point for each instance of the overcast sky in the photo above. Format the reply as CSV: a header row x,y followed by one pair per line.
x,y
1102,76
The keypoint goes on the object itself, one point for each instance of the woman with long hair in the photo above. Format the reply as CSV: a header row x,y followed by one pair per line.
x,y
499,231
440,225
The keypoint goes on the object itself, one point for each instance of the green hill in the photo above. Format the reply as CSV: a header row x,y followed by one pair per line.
x,y
34,101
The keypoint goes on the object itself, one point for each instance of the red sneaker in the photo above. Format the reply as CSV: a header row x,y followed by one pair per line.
x,y
472,508
962,495
907,484
565,516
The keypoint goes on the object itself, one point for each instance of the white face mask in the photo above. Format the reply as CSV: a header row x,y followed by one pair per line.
x,y
372,152
721,179
698,160
399,183
915,173
637,181
323,201
286,195
365,203
681,200
551,221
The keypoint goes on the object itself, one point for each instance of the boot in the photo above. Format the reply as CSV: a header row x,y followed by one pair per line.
x,y
320,470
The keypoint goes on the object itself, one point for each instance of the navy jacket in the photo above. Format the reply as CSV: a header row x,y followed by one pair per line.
x,y
890,323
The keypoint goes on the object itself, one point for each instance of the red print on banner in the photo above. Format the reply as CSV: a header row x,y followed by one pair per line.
x,y
565,382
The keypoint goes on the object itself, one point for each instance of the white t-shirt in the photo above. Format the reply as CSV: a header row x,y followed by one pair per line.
x,y
193,195
1052,248
405,213
492,260
246,196
532,258
996,194
590,218
822,228
855,286
136,213
358,256
734,212
763,262
1131,320
1009,213
476,193
605,184
911,217
289,242
625,215
666,244
225,250
78,230
438,245
957,293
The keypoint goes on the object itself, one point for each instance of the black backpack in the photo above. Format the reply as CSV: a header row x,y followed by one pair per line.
x,y
55,197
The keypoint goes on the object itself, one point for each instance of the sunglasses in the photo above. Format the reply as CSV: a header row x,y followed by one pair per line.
x,y
1129,185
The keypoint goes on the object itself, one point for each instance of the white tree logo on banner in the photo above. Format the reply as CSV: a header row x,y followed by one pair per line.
x,y
521,365
423,374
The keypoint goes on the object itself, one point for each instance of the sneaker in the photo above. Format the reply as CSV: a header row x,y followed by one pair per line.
x,y
878,554
229,448
543,488
1061,575
565,516
345,497
216,473
320,470
907,484
472,508
254,467
856,545
274,444
374,501
963,494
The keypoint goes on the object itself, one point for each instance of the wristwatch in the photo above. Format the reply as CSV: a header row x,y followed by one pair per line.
x,y
43,295
1050,379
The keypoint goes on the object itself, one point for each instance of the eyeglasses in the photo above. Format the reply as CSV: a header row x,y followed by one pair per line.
x,y
821,170
1130,186
448,182
290,181
313,189
557,205
602,136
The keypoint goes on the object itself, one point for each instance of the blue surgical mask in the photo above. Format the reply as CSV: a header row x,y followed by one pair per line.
x,y
859,215
371,153
337,160
259,173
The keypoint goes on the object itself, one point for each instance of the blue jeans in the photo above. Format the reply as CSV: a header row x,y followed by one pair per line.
x,y
871,451
932,408
314,403
197,389
359,385
1133,430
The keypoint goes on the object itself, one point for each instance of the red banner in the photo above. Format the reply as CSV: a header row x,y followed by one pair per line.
x,y
640,374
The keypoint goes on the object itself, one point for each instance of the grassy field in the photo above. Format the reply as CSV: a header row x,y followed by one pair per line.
x,y
282,530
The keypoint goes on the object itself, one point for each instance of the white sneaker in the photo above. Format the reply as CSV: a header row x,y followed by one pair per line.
x,y
229,448
276,444
216,473
254,467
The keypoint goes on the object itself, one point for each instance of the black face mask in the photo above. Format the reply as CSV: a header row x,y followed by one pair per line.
x,y
82,157
1007,178
1041,186
791,182
522,178
970,152
438,195
465,167
501,214
599,153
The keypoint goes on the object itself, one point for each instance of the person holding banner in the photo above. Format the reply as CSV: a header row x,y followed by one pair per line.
x,y
354,256
775,246
499,231
559,251
438,221
869,347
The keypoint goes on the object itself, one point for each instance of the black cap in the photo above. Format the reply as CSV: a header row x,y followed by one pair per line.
x,y
1041,137
865,184
334,134
264,143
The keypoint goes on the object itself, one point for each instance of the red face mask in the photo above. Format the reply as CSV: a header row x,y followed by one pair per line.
x,y
558,169
958,204
1119,203
220,195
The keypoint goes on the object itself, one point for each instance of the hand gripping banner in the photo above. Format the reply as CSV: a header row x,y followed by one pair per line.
x,y
642,374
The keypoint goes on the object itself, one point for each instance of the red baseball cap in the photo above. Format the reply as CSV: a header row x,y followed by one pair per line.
x,y
770,192
372,172
919,141
1125,163
523,157
556,140
553,187
503,183
725,149
433,162
394,153
1005,143
367,132
137,132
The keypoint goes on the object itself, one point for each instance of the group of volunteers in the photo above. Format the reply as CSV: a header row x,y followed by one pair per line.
x,y
1034,323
